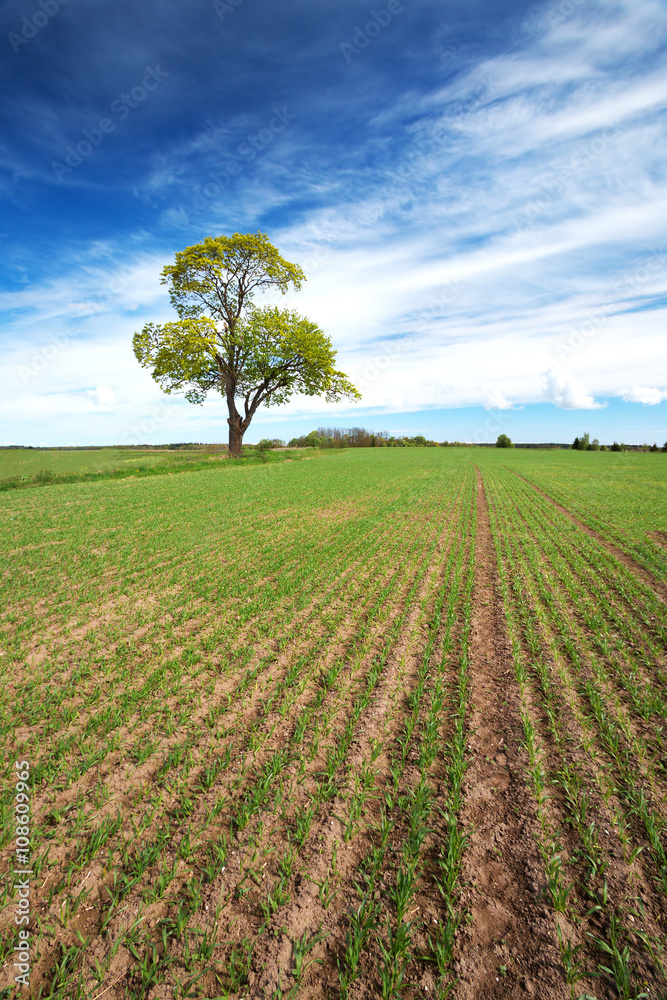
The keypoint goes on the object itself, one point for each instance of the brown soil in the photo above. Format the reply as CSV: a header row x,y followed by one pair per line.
x,y
507,945
659,537
509,948
626,881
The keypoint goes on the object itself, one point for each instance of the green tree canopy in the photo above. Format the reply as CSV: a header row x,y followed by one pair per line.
x,y
254,356
583,443
504,441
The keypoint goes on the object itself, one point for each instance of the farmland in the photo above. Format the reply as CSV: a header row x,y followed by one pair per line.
x,y
28,462
385,723
25,469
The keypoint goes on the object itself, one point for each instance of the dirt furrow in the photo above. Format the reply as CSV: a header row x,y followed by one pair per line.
x,y
659,589
509,946
326,847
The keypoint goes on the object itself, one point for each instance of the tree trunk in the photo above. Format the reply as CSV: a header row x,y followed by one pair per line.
x,y
237,426
236,430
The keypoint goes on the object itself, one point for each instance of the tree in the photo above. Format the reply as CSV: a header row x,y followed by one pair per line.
x,y
503,441
222,340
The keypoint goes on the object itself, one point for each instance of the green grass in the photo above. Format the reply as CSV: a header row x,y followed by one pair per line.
x,y
54,468
255,677
23,462
623,489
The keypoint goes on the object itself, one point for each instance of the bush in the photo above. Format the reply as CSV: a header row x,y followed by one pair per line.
x,y
266,443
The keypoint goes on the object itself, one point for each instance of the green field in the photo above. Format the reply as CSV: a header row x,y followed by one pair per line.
x,y
28,469
382,723
24,462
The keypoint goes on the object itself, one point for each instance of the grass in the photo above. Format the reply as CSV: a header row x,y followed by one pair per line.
x,y
21,469
246,694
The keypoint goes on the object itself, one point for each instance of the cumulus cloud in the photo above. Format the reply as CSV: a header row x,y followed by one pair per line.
x,y
102,396
496,401
565,391
643,394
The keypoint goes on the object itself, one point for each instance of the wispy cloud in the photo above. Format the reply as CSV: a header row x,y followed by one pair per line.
x,y
500,217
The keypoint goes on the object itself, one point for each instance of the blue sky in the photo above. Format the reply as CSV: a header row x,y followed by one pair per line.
x,y
476,191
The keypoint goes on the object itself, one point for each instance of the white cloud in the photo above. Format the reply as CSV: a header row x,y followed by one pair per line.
x,y
566,392
496,401
102,397
488,240
642,394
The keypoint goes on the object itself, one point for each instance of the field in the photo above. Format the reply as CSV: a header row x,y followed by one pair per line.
x,y
23,467
24,462
386,723
26,469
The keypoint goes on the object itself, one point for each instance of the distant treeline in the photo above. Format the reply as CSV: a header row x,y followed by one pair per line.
x,y
354,437
584,443
543,445
359,437
190,445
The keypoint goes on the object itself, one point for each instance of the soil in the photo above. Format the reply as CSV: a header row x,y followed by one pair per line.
x,y
509,948
659,537
507,945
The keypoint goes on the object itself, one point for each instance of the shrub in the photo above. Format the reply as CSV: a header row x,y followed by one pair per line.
x,y
266,443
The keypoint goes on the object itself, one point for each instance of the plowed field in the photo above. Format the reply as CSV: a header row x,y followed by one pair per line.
x,y
387,723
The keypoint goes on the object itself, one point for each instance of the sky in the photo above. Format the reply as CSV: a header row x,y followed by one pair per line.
x,y
476,191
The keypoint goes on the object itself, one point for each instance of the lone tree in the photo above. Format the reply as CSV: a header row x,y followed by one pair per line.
x,y
223,341
503,441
